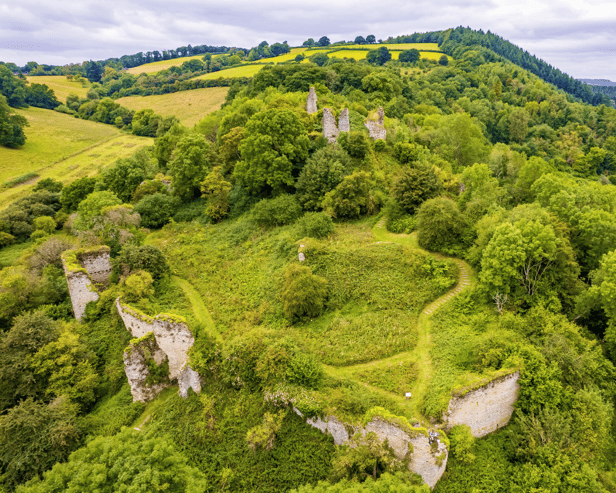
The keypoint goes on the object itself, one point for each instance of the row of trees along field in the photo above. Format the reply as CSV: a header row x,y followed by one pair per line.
x,y
483,161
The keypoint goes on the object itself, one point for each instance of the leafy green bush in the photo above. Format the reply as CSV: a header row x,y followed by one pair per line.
x,y
305,370
156,209
316,224
146,257
303,293
279,211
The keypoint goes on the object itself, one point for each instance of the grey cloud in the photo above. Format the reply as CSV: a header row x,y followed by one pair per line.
x,y
72,32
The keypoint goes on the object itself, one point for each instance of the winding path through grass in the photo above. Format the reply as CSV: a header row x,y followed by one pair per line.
x,y
420,356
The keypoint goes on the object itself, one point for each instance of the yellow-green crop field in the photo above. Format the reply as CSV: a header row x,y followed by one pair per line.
x,y
62,147
60,85
354,54
188,106
243,71
149,68
282,58
399,46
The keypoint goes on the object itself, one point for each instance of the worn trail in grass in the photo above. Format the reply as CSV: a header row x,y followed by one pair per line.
x,y
420,356
198,307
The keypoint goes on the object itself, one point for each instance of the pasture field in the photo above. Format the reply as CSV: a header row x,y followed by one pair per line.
x,y
61,86
188,106
243,71
62,147
354,54
153,67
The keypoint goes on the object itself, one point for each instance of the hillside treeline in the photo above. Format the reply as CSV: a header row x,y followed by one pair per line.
x,y
482,161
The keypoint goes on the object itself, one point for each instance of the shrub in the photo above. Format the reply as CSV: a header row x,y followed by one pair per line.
x,y
303,293
48,184
414,186
316,224
305,370
276,212
354,143
441,226
156,209
351,197
146,257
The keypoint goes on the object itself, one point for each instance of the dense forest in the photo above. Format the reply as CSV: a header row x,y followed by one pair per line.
x,y
487,172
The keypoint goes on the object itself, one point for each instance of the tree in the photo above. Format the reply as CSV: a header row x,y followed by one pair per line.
x,y
309,42
364,456
320,59
359,40
275,143
156,209
370,38
216,189
441,226
443,60
75,192
380,56
414,186
145,123
92,207
94,71
323,41
303,293
135,258
48,184
409,56
123,178
351,197
190,162
460,140
11,126
131,460
29,333
323,171
34,437
278,211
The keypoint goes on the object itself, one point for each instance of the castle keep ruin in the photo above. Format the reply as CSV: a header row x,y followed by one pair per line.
x,y
375,126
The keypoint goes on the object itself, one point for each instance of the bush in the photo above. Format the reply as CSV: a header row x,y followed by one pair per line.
x,y
316,224
305,370
441,226
276,212
354,143
303,293
147,257
156,209
414,186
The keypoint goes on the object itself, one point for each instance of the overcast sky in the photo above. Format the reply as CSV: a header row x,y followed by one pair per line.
x,y
575,36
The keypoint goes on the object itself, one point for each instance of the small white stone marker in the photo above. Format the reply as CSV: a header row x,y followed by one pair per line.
x,y
407,395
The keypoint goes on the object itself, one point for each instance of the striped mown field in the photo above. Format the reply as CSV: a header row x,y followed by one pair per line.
x,y
188,106
62,147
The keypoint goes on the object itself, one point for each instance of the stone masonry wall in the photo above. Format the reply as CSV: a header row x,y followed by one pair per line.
x,y
376,127
427,460
98,266
136,369
311,102
487,408
81,290
330,130
83,269
174,339
344,125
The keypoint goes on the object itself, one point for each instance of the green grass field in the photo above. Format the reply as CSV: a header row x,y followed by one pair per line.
x,y
61,86
243,71
149,68
62,147
188,106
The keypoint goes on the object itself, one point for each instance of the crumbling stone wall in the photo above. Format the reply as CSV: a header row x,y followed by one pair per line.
x,y
429,460
311,102
137,369
173,337
98,265
486,408
344,125
376,127
330,130
84,269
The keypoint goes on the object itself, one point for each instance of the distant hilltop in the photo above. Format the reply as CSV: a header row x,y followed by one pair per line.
x,y
598,82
